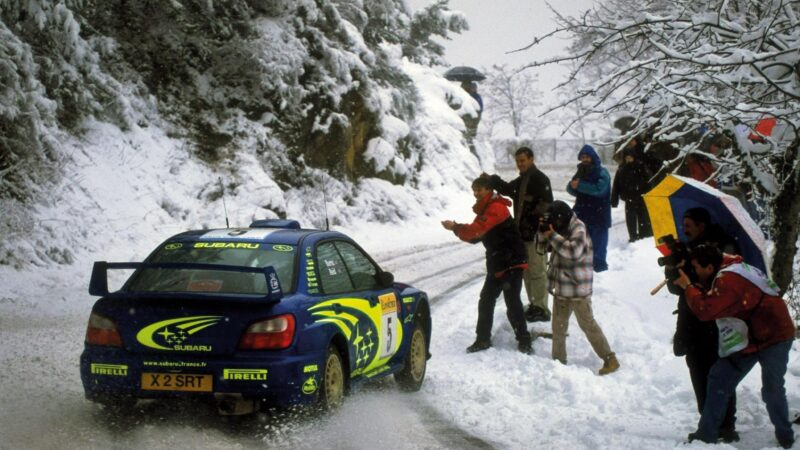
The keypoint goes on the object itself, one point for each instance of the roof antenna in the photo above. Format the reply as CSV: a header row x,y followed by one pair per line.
x,y
224,208
325,203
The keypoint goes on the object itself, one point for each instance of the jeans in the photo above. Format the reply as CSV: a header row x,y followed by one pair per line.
x,y
700,358
510,285
599,236
728,372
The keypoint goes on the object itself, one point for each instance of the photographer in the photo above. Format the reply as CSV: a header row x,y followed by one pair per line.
x,y
757,327
570,281
531,195
695,339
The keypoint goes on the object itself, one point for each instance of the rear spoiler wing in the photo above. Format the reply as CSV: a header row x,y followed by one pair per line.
x,y
98,285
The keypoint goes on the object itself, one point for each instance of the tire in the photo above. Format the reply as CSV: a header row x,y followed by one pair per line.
x,y
332,392
410,378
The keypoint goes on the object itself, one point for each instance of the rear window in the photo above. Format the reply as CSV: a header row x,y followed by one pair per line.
x,y
242,254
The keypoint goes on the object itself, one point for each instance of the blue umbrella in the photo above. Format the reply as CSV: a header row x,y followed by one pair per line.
x,y
674,195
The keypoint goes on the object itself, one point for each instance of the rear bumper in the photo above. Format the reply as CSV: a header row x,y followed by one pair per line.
x,y
277,379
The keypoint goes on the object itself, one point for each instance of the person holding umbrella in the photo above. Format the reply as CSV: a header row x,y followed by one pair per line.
x,y
468,77
695,339
470,122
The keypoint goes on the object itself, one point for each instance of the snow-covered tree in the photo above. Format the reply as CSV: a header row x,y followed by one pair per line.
x,y
677,66
309,92
513,98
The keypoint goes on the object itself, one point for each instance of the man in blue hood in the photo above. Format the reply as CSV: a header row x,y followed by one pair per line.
x,y
591,186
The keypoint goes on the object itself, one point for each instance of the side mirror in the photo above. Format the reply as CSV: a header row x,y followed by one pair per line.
x,y
386,279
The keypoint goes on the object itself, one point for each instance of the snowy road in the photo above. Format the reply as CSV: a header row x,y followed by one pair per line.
x,y
496,399
43,405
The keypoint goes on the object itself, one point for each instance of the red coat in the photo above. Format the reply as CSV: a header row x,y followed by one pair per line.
x,y
494,227
732,295
491,210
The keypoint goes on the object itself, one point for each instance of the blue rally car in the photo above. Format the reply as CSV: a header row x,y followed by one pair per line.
x,y
268,315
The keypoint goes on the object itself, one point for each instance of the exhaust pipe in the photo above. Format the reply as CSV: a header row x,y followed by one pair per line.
x,y
234,404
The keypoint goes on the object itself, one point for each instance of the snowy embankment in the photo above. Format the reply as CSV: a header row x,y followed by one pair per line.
x,y
517,401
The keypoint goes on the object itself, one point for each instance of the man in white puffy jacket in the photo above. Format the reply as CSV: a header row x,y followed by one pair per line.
x,y
570,282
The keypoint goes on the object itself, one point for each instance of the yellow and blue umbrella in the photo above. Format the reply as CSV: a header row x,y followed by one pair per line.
x,y
674,195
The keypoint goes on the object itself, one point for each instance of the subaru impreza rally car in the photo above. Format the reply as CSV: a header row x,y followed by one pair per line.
x,y
268,315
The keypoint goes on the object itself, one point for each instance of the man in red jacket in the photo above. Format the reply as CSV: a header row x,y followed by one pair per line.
x,y
755,327
505,262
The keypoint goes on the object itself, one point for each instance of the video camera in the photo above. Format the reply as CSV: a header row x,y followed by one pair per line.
x,y
676,254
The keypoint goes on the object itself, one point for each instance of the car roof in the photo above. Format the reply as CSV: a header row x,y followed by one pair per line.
x,y
260,234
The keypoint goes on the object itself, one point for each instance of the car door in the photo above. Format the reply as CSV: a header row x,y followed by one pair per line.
x,y
366,314
364,275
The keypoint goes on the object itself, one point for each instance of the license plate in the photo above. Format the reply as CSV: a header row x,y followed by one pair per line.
x,y
176,382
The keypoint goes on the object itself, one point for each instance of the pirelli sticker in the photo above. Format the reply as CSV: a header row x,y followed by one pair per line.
x,y
244,374
114,370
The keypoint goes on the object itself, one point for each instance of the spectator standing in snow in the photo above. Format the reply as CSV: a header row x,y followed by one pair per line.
x,y
755,327
505,261
531,195
630,182
695,339
471,122
591,187
570,281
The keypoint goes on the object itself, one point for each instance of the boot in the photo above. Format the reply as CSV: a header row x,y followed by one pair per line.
x,y
728,435
786,442
610,365
695,436
525,347
479,345
536,314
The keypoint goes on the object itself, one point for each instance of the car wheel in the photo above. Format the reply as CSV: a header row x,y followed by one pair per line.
x,y
410,378
332,394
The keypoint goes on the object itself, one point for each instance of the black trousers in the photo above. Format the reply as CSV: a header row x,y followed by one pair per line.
x,y
509,284
699,360
637,220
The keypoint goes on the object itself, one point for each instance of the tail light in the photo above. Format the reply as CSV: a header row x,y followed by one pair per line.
x,y
275,333
102,331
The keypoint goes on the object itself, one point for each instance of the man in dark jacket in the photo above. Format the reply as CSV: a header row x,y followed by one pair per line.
x,y
505,261
631,181
755,327
591,187
695,339
531,194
